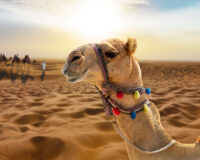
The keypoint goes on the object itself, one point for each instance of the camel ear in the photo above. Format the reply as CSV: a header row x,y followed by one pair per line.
x,y
131,45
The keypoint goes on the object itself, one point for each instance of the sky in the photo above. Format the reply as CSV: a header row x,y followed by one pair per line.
x,y
164,29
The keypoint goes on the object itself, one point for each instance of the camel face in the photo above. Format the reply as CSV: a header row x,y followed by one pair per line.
x,y
82,63
76,66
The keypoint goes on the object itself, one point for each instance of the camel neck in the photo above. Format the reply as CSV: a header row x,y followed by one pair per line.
x,y
146,130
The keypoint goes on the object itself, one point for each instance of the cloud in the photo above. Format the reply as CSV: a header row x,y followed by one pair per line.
x,y
34,5
67,14
184,20
49,6
133,2
156,22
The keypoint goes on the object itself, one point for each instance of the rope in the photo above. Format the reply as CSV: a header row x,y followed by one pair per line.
x,y
138,148
125,90
136,108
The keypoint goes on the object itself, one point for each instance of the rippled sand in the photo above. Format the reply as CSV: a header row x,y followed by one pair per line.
x,y
54,120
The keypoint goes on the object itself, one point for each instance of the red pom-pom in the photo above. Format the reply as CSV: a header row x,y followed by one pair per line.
x,y
116,111
120,94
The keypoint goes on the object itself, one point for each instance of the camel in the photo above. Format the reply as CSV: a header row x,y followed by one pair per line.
x,y
16,63
113,62
3,61
26,63
3,66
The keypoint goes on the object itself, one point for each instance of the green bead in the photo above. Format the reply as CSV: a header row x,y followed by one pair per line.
x,y
136,95
146,108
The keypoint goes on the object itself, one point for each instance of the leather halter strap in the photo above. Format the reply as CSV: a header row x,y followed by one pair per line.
x,y
102,62
106,86
104,69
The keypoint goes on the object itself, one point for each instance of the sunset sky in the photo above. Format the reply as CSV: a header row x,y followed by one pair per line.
x,y
165,29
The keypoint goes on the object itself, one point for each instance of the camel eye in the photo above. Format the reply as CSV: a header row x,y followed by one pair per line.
x,y
110,54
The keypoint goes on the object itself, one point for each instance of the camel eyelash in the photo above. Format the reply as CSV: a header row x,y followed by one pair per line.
x,y
110,54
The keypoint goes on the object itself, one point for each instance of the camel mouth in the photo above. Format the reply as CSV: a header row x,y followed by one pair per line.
x,y
77,78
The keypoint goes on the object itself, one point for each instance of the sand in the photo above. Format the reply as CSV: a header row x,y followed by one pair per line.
x,y
55,120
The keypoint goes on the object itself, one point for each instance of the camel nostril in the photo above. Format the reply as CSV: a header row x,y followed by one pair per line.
x,y
75,58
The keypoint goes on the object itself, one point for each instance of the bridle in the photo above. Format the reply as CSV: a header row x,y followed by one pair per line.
x,y
111,107
109,103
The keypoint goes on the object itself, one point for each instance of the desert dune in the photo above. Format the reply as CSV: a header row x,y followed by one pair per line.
x,y
56,120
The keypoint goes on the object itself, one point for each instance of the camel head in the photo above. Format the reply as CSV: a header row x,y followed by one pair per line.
x,y
82,63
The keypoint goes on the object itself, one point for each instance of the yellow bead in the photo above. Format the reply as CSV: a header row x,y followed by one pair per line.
x,y
137,95
146,108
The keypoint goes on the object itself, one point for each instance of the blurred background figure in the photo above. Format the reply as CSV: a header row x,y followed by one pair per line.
x,y
43,70
16,68
25,69
16,63
3,66
26,63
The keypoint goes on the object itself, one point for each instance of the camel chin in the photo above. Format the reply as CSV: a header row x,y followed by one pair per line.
x,y
77,78
74,79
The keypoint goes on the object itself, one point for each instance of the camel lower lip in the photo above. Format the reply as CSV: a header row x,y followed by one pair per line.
x,y
74,79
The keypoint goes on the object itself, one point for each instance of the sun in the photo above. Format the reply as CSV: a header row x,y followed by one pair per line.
x,y
95,18
89,18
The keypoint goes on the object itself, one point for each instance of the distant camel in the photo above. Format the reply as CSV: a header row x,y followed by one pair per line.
x,y
16,63
26,61
111,65
16,59
2,58
25,72
16,68
3,66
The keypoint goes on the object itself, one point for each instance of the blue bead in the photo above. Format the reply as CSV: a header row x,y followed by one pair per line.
x,y
133,115
148,91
